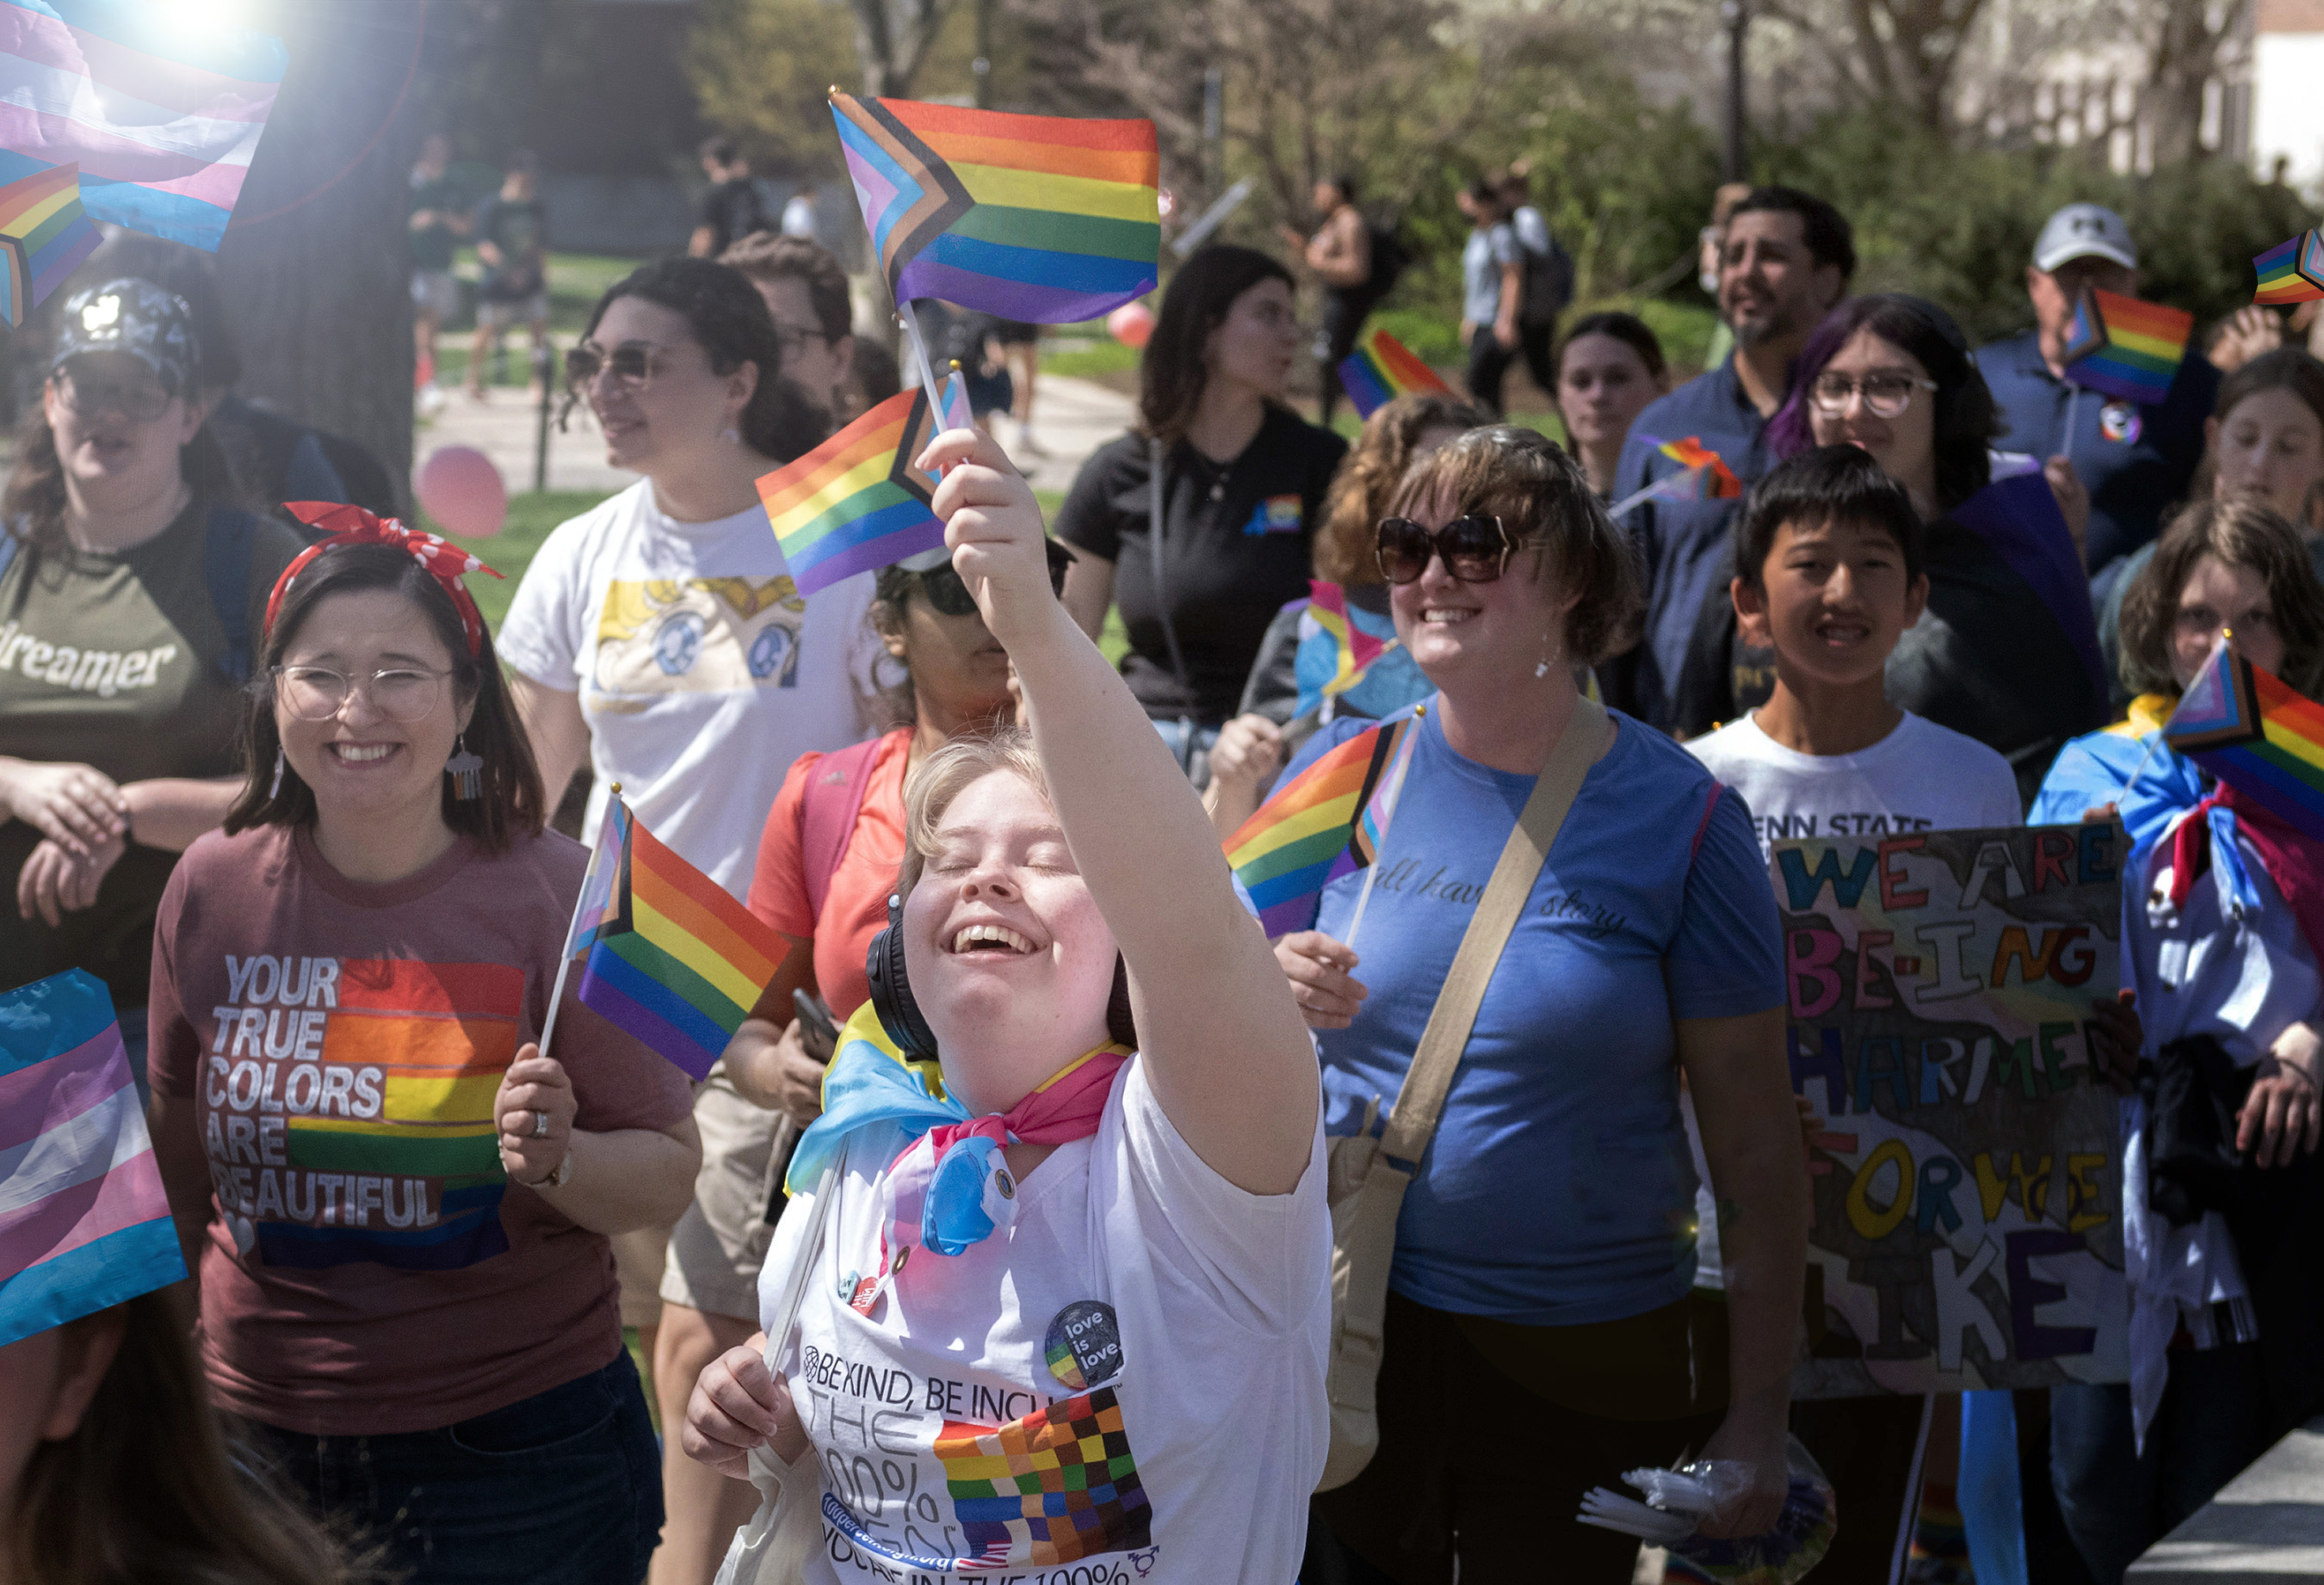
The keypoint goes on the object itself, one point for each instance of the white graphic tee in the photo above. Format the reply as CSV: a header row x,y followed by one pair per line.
x,y
1921,777
1124,1383
702,672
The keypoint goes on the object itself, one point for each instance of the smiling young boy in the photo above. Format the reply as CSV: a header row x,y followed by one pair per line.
x,y
1828,575
1827,559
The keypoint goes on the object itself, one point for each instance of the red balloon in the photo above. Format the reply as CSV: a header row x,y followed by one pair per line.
x,y
463,491
1131,324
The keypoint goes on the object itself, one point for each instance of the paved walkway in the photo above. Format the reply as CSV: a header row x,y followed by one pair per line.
x,y
1074,419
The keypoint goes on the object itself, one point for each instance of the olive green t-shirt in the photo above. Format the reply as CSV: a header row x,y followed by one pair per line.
x,y
111,659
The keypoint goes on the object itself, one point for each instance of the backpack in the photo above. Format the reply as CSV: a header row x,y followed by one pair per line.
x,y
226,542
1548,275
828,806
1391,260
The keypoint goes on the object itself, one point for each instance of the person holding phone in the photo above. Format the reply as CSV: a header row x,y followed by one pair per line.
x,y
826,863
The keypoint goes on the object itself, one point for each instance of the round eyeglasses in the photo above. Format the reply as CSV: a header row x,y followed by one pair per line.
x,y
403,693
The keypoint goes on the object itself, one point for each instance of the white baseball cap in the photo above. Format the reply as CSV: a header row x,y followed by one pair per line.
x,y
2084,231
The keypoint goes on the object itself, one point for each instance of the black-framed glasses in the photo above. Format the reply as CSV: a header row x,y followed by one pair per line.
x,y
1475,550
793,338
631,364
1887,393
950,596
403,693
138,400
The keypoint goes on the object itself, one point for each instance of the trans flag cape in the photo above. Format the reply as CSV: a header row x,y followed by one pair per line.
x,y
1348,653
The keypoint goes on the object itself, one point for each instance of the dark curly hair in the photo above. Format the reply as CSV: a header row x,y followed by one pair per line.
x,y
1967,422
1539,493
512,803
729,319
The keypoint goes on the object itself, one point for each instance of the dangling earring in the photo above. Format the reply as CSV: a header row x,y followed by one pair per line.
x,y
466,770
1549,658
275,789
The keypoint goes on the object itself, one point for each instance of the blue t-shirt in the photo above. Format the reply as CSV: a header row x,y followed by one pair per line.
x,y
2134,461
1558,1189
1683,543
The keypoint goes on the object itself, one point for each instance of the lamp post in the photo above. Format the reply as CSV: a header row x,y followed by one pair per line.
x,y
1737,16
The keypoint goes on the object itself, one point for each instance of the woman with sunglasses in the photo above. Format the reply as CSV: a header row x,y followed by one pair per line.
x,y
1535,1260
131,584
394,1203
660,638
2007,651
1229,477
827,864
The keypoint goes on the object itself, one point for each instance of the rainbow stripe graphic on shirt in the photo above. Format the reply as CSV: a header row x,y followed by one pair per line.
x,y
398,1109
1055,1486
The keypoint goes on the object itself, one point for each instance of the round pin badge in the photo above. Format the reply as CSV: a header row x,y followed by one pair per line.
x,y
1084,1345
2119,423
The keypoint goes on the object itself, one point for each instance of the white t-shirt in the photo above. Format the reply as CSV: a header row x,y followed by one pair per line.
x,y
702,672
1921,777
1127,1383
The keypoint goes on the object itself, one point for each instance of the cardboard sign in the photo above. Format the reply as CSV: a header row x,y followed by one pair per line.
x,y
1967,1184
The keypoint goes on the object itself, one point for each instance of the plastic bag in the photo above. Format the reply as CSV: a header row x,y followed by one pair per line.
x,y
1679,1500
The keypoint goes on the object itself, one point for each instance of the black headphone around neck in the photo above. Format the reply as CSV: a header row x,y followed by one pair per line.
x,y
899,1015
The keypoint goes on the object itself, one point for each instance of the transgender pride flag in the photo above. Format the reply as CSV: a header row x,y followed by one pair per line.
x,y
83,1222
160,109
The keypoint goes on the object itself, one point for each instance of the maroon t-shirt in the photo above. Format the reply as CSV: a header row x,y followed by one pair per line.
x,y
370,1268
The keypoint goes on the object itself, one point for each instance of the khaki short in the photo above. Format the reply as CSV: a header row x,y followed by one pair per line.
x,y
718,1245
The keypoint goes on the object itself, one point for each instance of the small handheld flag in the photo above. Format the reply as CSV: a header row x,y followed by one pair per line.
x,y
1316,828
2291,271
161,117
84,1222
2124,348
1696,461
45,232
855,502
672,958
2249,728
1382,369
1042,218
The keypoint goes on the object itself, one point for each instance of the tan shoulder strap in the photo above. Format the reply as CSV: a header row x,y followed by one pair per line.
x,y
1421,1102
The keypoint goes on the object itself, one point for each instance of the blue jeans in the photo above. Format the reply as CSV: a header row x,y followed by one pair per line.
x,y
563,1487
2117,1502
1194,756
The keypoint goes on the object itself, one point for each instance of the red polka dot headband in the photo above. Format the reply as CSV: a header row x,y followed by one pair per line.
x,y
352,525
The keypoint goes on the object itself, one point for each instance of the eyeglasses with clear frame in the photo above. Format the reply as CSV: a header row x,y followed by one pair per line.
x,y
403,693
1886,392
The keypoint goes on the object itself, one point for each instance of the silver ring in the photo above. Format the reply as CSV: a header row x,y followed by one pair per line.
x,y
540,1124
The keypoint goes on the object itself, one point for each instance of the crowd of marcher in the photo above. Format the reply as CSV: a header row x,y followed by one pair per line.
x,y
998,1240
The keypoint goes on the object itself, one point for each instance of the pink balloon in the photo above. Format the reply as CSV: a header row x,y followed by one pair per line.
x,y
1131,324
462,490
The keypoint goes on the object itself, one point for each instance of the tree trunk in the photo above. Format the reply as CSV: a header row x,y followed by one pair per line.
x,y
316,267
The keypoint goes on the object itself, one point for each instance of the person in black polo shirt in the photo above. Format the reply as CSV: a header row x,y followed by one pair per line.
x,y
1241,493
2132,460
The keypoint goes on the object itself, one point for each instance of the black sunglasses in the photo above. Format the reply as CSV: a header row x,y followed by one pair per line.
x,y
1475,550
950,596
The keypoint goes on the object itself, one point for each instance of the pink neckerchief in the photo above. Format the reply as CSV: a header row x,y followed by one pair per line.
x,y
950,1189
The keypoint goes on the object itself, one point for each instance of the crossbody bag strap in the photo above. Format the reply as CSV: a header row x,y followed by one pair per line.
x,y
1421,1102
1157,457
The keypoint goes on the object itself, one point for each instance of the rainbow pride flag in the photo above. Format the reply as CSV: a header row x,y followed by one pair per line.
x,y
161,116
2124,348
1037,217
2291,271
84,1224
672,957
855,502
1317,827
1719,480
1382,369
2249,728
45,234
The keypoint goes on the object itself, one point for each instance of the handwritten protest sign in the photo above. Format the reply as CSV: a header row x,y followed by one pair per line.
x,y
1967,1184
